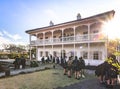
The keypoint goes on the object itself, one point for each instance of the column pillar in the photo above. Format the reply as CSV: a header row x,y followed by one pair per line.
x,y
36,47
62,43
52,42
88,41
74,41
30,46
44,44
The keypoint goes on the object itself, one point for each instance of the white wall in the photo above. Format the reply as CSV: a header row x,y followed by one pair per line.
x,y
69,48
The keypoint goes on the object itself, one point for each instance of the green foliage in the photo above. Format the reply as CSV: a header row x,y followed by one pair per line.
x,y
117,53
34,64
3,56
12,55
112,45
11,51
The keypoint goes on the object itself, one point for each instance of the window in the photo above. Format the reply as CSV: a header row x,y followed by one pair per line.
x,y
85,55
85,36
96,55
95,31
54,36
46,53
41,53
72,53
54,53
46,37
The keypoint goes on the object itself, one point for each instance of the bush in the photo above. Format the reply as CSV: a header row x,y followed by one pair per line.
x,y
34,64
90,67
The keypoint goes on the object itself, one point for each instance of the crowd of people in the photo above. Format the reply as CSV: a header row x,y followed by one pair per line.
x,y
71,65
19,62
74,66
108,71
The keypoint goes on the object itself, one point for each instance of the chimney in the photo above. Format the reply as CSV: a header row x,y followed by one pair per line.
x,y
51,23
78,16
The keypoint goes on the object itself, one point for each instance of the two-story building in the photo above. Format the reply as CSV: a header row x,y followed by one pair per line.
x,y
82,37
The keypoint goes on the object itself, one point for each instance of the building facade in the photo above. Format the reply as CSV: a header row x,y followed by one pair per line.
x,y
82,37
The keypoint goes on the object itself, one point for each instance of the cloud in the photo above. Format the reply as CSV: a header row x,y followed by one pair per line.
x,y
7,38
51,14
4,41
1,34
14,37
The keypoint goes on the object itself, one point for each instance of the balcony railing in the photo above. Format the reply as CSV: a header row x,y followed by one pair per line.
x,y
82,38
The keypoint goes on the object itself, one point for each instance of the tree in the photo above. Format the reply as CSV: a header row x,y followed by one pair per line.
x,y
12,50
15,48
113,45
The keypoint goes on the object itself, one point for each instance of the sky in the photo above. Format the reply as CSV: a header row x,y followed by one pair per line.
x,y
17,16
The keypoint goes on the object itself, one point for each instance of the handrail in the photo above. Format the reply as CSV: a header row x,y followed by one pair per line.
x,y
80,38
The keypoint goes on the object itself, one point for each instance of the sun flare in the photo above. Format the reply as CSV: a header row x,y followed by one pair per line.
x,y
112,28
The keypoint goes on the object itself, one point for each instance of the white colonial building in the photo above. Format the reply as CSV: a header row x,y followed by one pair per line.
x,y
82,37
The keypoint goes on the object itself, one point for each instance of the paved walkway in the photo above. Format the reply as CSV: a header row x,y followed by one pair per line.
x,y
88,84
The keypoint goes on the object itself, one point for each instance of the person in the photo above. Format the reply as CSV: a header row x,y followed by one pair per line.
x,y
43,60
54,61
48,59
57,60
23,62
100,72
64,64
17,62
69,66
76,64
81,67
111,71
50,56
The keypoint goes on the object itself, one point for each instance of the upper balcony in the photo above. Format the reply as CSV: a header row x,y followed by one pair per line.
x,y
98,37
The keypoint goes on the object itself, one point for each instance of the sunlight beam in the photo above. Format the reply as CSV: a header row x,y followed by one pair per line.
x,y
111,28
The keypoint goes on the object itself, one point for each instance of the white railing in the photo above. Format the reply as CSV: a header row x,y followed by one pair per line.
x,y
57,40
68,39
97,37
81,38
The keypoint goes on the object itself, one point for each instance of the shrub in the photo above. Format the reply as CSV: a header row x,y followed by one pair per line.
x,y
34,64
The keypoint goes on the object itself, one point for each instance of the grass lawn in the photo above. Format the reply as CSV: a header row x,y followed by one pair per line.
x,y
47,79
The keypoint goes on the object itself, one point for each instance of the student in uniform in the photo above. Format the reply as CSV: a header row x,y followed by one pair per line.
x,y
69,67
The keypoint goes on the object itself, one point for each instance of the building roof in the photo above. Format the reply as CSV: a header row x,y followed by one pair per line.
x,y
83,19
